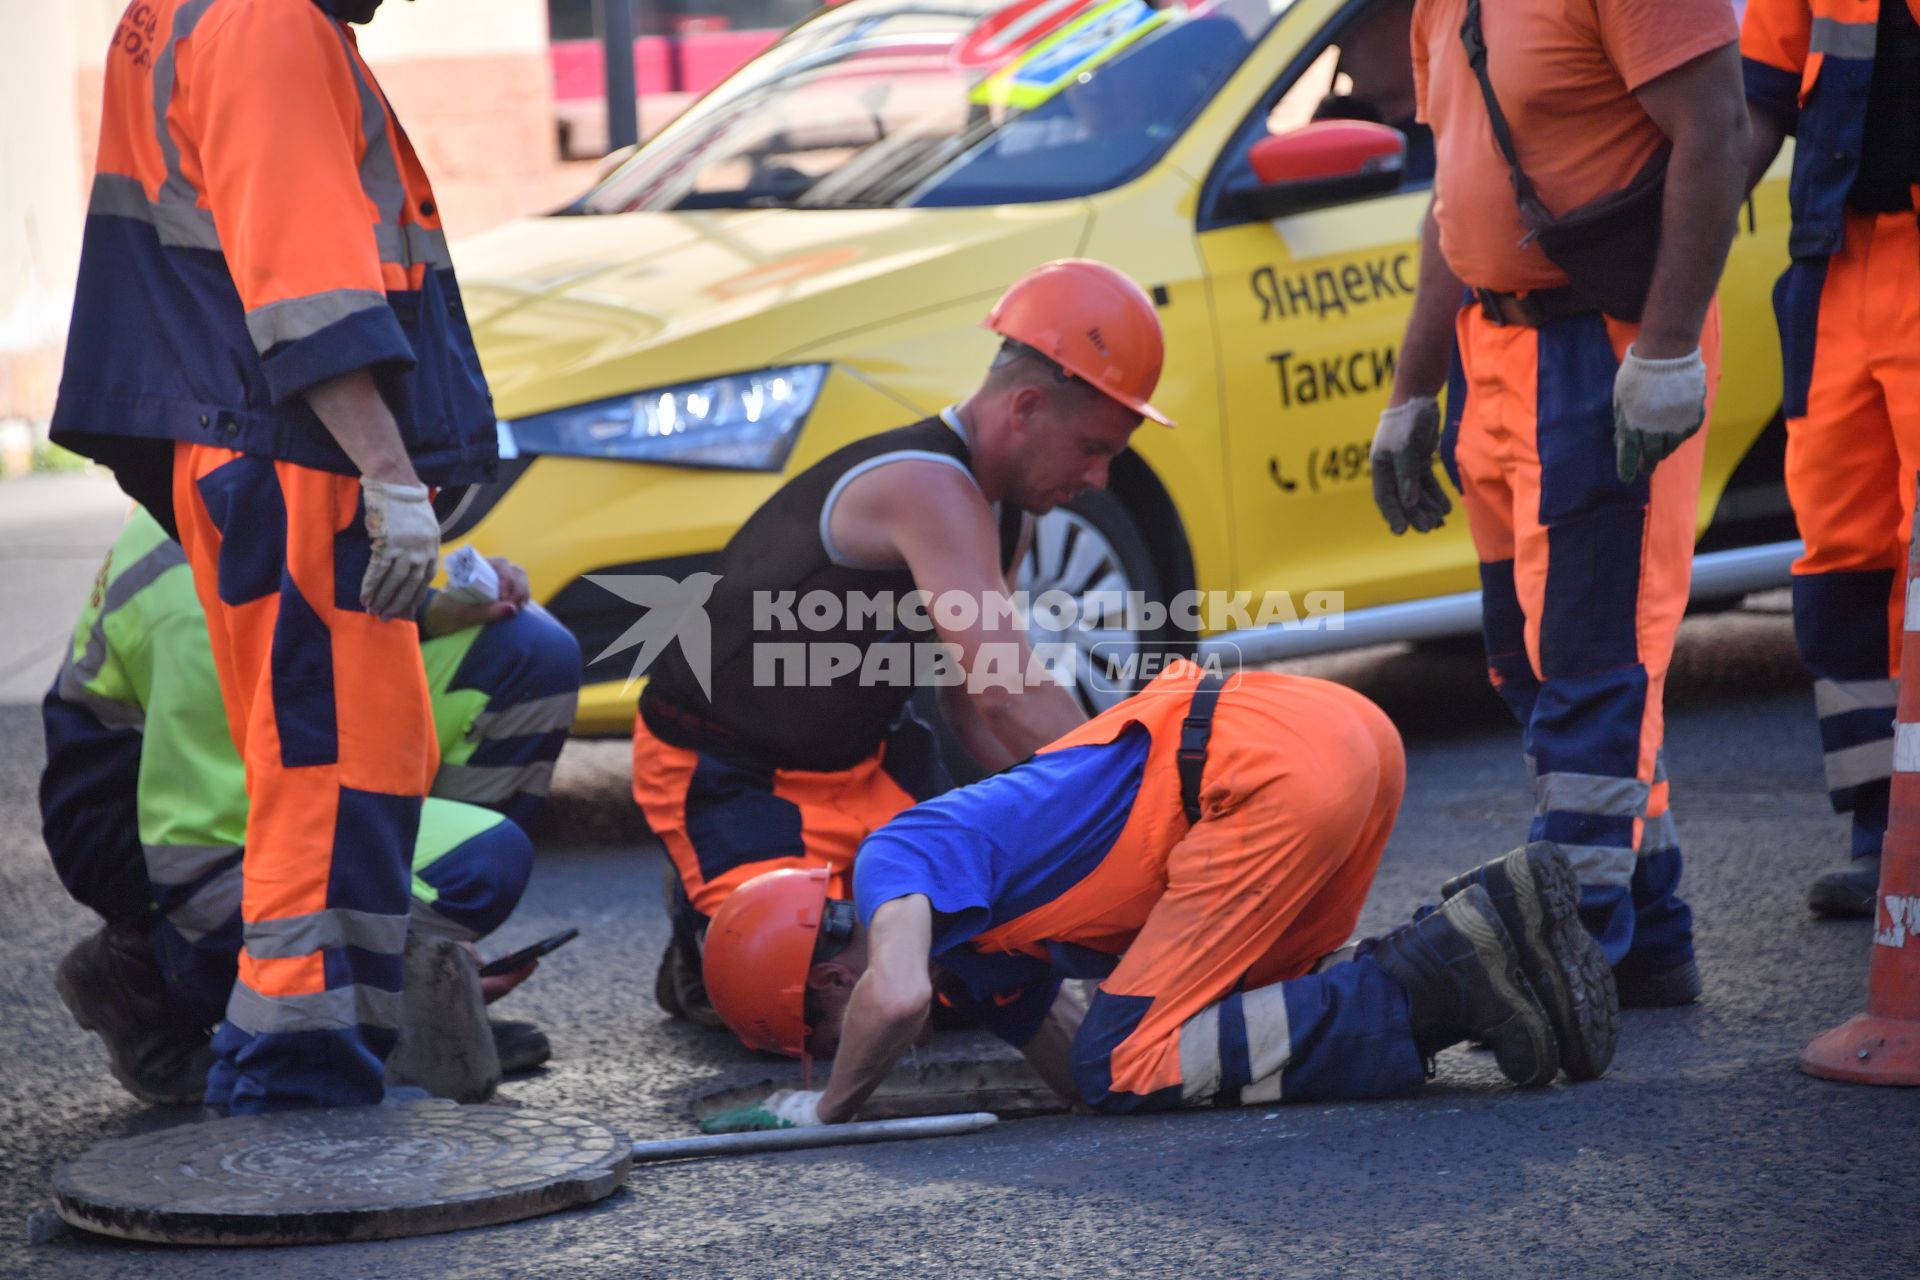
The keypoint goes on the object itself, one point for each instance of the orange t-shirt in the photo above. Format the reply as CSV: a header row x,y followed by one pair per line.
x,y
1564,72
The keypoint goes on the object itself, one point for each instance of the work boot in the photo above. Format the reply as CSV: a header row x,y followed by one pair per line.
x,y
112,985
680,988
1538,899
520,1045
1849,893
445,1045
1658,988
1464,981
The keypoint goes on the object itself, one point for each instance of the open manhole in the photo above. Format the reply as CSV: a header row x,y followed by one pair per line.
x,y
1008,1087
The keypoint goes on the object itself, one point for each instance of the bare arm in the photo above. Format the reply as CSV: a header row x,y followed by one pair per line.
x,y
888,1005
358,419
932,518
1767,137
1701,107
968,725
1428,345
1051,1049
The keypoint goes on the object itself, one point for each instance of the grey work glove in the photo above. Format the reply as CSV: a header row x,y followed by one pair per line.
x,y
1657,405
406,548
1404,486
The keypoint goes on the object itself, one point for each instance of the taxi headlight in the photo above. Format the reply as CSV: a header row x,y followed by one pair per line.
x,y
742,421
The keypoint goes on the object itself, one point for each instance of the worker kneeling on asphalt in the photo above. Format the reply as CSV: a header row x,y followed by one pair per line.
x,y
740,767
144,803
1207,881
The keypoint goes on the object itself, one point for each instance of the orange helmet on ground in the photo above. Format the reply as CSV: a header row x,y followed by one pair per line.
x,y
1092,321
760,945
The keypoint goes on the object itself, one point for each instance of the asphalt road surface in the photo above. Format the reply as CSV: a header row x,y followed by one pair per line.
x,y
1703,1152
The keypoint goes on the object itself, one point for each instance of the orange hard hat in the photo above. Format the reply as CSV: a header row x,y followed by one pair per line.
x,y
759,948
1092,321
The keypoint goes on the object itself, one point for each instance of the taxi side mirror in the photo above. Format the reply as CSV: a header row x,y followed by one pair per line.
x,y
1322,163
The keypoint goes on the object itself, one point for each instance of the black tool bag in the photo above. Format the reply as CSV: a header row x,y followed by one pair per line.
x,y
1606,246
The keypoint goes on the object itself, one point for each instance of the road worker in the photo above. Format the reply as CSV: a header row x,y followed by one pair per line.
x,y
144,802
1844,79
268,348
1577,406
1203,849
743,766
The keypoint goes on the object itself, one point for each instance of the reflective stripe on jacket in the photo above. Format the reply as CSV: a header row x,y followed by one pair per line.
x,y
259,223
1808,64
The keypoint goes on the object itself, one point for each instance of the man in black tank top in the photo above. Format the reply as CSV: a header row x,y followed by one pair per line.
x,y
885,565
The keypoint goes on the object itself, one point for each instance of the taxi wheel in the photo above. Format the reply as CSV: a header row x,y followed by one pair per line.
x,y
1086,576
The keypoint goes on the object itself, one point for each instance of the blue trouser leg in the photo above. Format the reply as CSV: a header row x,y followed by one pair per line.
x,y
1840,622
469,870
504,710
1340,1034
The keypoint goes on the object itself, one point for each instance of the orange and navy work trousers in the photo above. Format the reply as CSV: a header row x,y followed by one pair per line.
x,y
726,817
329,709
1215,999
1584,580
1850,333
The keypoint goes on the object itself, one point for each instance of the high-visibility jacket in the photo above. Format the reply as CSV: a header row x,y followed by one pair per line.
x,y
144,798
259,223
1808,64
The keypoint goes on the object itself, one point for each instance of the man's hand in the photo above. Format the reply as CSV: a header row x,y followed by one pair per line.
x,y
406,547
784,1109
1657,405
446,615
1404,486
495,985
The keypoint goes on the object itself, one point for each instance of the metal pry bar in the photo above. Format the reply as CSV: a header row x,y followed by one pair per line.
x,y
826,1135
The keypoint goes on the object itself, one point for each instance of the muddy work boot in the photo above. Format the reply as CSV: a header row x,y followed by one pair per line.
x,y
680,987
1658,988
1538,898
1849,893
445,1044
521,1046
112,985
1463,977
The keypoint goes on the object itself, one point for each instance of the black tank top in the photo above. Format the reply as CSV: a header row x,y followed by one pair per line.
x,y
763,704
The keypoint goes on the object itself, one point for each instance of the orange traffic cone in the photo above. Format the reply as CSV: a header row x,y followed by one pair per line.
x,y
1882,1045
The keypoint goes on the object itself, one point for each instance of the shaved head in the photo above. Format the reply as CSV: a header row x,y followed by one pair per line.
x,y
1016,365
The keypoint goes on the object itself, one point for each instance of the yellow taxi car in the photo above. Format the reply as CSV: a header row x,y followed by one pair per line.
x,y
805,255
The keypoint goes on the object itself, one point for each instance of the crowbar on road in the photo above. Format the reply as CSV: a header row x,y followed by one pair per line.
x,y
826,1135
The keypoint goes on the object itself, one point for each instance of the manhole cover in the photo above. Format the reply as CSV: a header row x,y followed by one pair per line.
x,y
360,1173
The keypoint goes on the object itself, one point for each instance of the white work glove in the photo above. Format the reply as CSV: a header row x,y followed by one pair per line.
x,y
406,548
784,1109
1404,486
1657,405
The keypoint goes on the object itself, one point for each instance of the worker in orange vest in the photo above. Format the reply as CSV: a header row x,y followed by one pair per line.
x,y
1844,79
269,349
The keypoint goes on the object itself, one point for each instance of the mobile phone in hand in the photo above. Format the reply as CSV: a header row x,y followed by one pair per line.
x,y
514,960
